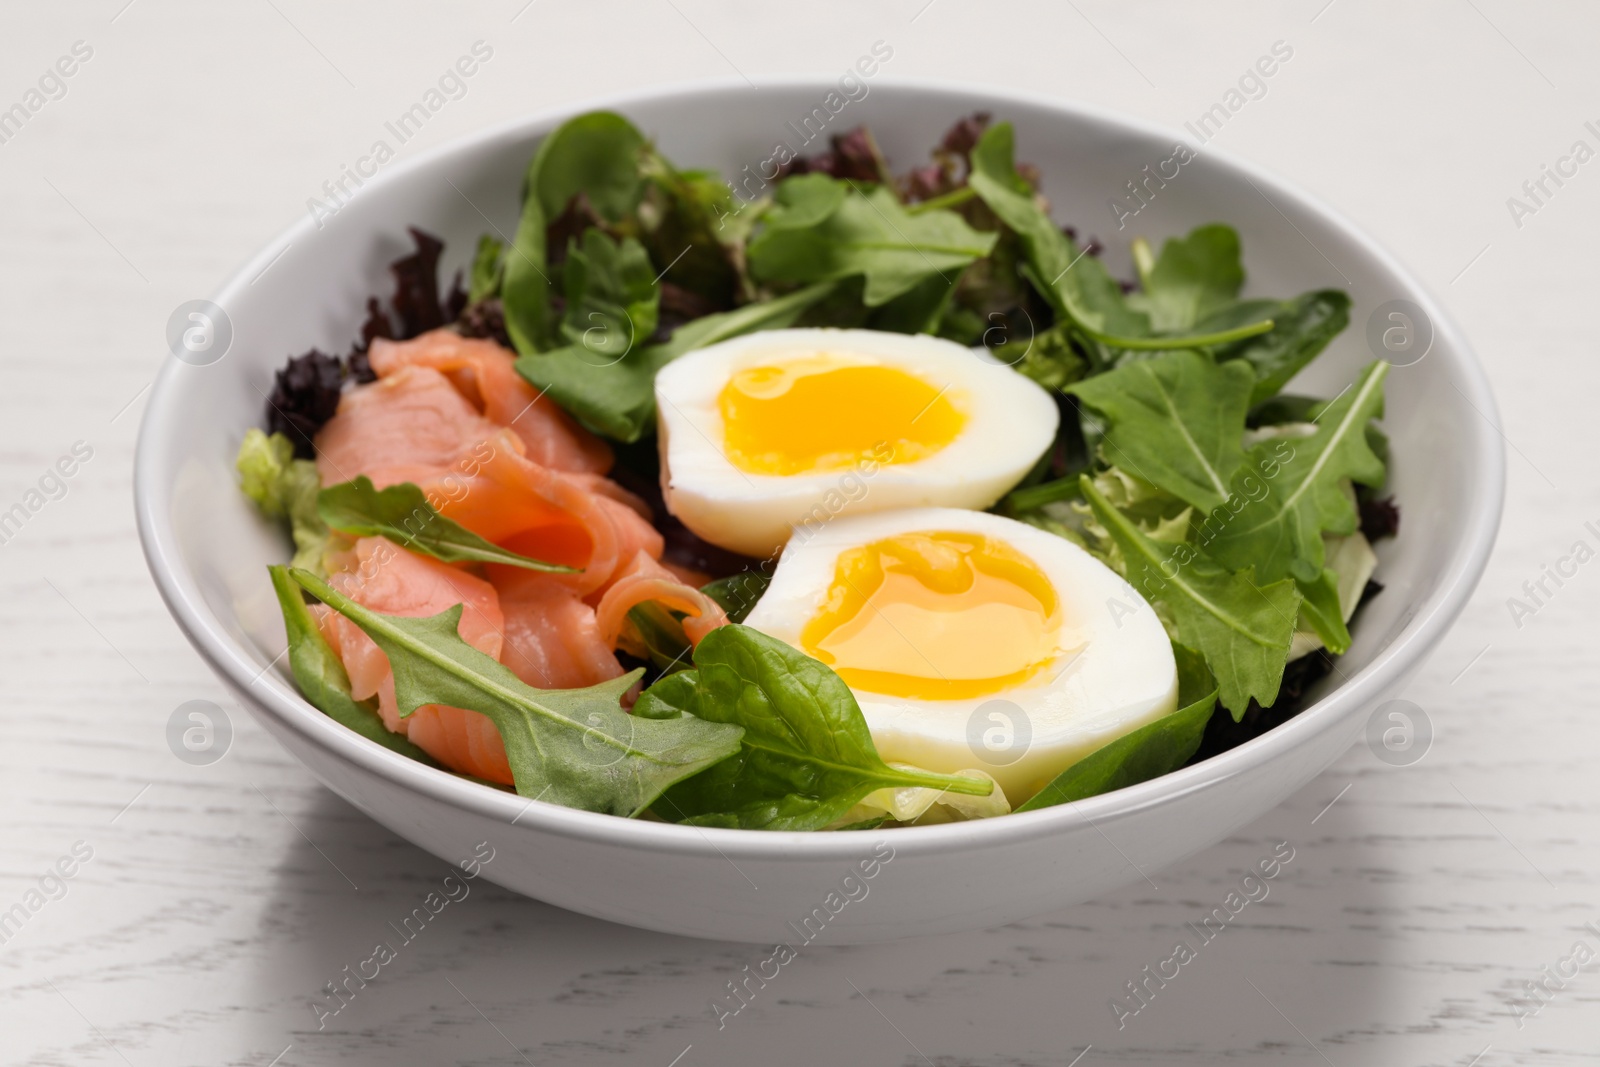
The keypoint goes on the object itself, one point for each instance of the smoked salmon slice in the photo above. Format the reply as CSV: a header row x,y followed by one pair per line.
x,y
451,415
646,579
552,640
386,578
413,426
485,374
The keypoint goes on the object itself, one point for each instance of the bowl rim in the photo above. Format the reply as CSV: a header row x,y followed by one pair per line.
x,y
1412,639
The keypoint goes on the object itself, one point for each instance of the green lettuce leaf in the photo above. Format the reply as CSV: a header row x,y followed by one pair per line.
x,y
1241,628
617,399
1280,533
1049,359
1322,610
806,756
821,229
1177,421
286,488
321,676
613,300
574,747
403,515
1154,749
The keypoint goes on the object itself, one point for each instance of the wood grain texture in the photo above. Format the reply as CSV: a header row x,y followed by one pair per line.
x,y
220,899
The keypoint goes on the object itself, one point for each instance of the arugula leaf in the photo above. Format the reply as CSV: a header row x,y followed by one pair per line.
x,y
1241,628
806,756
321,676
488,267
1321,608
1079,285
618,400
597,154
804,201
1280,533
285,488
1154,749
574,747
917,310
612,298
1177,421
403,515
1302,328
1194,277
1076,283
821,229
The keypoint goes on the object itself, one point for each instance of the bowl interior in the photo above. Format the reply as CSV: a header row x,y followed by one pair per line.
x,y
208,548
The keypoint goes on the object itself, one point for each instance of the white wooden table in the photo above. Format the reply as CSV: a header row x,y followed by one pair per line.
x,y
217,900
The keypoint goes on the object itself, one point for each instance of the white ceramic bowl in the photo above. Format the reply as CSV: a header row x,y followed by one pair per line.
x,y
208,550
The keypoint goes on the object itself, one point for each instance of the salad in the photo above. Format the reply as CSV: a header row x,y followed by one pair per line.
x,y
875,500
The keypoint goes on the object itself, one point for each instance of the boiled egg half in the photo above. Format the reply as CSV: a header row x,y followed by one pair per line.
x,y
788,429
973,641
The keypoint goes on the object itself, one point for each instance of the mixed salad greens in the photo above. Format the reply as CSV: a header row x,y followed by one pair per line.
x,y
1227,504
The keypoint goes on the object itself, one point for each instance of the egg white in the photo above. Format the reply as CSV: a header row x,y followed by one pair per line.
x,y
1010,422
1116,672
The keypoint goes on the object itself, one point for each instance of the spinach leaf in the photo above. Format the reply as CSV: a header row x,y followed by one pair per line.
x,y
1195,276
1079,285
1321,608
1241,628
574,747
597,154
321,676
1177,421
618,399
1301,329
284,487
806,756
524,285
612,297
820,229
1280,533
403,515
1154,749
487,269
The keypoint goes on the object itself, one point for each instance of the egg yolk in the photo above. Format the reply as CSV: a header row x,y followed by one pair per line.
x,y
822,413
936,616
